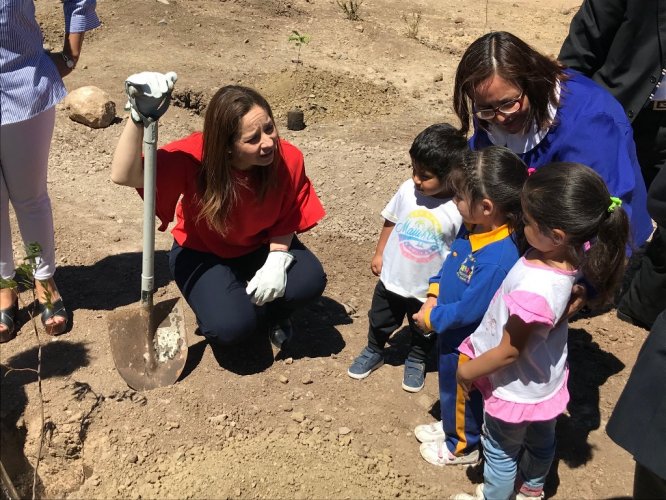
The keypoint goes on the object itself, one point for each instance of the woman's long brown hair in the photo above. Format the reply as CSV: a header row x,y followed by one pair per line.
x,y
218,188
505,55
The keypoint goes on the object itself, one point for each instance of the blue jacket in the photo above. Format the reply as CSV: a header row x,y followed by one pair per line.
x,y
470,276
591,128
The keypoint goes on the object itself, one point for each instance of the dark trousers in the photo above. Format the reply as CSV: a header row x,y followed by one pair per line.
x,y
387,313
215,289
650,137
645,297
462,418
647,485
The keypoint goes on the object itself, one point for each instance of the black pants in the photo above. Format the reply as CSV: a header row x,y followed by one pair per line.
x,y
215,289
645,297
387,313
647,485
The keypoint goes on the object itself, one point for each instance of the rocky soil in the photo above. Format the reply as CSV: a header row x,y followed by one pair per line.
x,y
243,422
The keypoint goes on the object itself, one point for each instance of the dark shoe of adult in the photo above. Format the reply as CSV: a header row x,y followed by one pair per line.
x,y
281,333
632,321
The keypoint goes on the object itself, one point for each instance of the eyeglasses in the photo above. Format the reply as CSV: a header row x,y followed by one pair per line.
x,y
506,108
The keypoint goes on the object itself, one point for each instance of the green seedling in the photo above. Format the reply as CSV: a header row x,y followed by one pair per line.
x,y
299,39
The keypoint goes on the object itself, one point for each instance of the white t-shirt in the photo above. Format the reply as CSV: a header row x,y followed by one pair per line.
x,y
425,228
539,296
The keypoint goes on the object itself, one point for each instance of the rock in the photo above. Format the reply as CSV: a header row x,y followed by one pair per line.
x,y
438,77
298,416
343,431
307,379
91,106
283,379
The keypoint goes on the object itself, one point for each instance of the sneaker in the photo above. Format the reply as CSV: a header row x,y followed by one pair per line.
x,y
436,453
631,320
365,363
526,493
478,494
281,333
414,378
427,433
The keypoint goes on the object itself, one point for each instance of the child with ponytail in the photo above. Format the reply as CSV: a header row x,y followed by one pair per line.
x,y
517,357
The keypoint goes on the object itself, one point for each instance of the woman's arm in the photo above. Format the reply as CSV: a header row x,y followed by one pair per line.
x,y
281,243
514,339
127,164
377,258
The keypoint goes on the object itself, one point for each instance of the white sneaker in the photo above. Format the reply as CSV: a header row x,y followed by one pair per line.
x,y
427,433
436,453
478,494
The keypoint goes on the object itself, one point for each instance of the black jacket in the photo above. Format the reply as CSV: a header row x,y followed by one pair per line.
x,y
638,423
621,44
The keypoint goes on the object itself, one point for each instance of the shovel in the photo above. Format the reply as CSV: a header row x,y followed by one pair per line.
x,y
148,341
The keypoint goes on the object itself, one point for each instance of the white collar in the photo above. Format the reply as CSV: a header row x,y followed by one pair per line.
x,y
522,143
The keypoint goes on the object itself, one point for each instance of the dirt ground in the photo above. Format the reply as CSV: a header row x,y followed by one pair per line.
x,y
241,423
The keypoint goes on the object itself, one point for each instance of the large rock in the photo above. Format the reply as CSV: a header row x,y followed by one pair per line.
x,y
91,106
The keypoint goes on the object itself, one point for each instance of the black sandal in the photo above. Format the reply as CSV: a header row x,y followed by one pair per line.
x,y
55,310
8,319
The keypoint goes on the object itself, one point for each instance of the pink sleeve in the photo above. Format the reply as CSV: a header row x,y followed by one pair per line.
x,y
529,307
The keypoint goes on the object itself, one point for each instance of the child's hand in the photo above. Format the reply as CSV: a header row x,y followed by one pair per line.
x,y
376,264
419,318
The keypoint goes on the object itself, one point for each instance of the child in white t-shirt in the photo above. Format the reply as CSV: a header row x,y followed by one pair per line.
x,y
517,356
421,222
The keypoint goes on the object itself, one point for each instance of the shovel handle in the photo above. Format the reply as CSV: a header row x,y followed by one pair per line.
x,y
149,169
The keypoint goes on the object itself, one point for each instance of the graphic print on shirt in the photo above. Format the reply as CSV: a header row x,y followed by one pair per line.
x,y
466,269
420,236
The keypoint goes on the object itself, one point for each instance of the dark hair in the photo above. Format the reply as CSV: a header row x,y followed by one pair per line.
x,y
439,148
505,55
574,198
218,187
498,174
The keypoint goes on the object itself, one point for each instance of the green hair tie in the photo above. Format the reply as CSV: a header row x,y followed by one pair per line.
x,y
615,202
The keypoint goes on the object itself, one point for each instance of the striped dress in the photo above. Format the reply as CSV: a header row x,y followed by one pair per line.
x,y
29,81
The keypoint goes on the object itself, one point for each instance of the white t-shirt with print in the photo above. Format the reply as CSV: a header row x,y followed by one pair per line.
x,y
539,296
425,228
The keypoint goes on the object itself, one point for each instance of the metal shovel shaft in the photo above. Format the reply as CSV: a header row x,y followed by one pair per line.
x,y
149,176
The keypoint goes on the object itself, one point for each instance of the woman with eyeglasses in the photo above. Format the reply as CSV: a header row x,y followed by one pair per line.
x,y
544,112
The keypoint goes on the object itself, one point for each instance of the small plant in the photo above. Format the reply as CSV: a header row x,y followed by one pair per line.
x,y
412,21
299,40
350,8
25,276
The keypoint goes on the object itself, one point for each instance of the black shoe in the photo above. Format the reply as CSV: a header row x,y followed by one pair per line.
x,y
281,333
632,321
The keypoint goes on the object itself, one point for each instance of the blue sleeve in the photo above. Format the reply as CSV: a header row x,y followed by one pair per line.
x,y
473,303
80,15
607,147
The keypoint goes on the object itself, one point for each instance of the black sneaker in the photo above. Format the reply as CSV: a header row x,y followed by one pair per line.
x,y
281,333
632,321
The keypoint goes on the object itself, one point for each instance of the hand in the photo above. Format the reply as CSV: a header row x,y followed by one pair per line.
x,y
376,264
271,279
419,318
148,92
60,64
577,300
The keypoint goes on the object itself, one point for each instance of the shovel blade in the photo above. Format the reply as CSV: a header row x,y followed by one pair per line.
x,y
149,345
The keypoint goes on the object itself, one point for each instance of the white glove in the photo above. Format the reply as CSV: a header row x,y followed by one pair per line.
x,y
151,87
270,281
